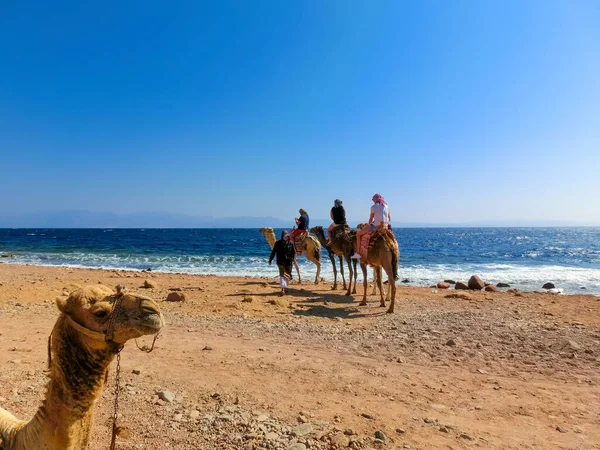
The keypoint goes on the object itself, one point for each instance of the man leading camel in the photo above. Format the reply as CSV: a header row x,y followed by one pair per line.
x,y
284,252
380,213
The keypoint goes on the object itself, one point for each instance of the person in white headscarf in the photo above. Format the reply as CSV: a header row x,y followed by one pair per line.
x,y
380,213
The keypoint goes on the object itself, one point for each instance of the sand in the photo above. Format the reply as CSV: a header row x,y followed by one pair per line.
x,y
496,370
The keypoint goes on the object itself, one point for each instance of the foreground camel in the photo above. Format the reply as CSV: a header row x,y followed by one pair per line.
x,y
312,249
383,253
85,339
342,244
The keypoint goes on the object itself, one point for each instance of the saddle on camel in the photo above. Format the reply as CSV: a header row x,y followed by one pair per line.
x,y
299,234
383,231
298,241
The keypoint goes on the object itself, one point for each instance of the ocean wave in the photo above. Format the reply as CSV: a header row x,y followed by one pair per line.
x,y
524,258
571,279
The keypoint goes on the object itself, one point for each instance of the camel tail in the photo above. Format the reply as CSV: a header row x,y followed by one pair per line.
x,y
317,253
393,245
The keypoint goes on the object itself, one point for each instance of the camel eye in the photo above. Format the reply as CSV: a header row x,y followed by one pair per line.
x,y
101,313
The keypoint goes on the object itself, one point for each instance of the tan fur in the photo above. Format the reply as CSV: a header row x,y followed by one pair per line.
x,y
312,250
332,254
342,244
79,362
360,226
383,253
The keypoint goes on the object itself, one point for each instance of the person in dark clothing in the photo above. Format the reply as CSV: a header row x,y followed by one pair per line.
x,y
284,253
302,222
338,215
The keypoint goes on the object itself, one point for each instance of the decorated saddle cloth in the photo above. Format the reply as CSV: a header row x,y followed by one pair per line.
x,y
299,242
367,240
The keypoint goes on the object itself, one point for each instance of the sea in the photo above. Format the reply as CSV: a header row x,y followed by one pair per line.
x,y
525,258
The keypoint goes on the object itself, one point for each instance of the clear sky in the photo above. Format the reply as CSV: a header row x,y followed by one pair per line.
x,y
455,111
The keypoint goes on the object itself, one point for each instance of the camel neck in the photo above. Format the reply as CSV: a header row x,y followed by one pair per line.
x,y
271,238
64,421
321,236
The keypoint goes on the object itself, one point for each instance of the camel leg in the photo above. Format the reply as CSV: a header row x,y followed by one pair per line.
x,y
349,262
387,291
378,271
374,282
364,271
332,259
309,251
318,275
355,276
392,287
342,271
297,271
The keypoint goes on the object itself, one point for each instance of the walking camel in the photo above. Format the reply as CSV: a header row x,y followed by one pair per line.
x,y
318,231
383,253
387,295
311,248
343,247
342,244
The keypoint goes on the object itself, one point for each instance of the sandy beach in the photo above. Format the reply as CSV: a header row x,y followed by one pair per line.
x,y
490,370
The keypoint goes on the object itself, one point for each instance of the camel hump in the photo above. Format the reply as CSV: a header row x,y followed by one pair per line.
x,y
386,234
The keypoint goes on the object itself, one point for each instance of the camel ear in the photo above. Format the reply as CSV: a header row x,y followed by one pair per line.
x,y
61,303
120,289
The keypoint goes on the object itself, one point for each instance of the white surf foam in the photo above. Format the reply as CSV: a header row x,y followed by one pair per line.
x,y
525,277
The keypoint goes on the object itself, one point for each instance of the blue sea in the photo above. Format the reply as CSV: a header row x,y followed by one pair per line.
x,y
526,258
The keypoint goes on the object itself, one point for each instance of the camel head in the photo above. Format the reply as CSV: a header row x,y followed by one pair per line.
x,y
266,230
269,235
91,307
317,231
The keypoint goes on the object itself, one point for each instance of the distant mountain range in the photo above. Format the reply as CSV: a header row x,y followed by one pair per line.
x,y
88,219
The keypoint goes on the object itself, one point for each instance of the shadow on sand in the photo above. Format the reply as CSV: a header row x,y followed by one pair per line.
x,y
316,304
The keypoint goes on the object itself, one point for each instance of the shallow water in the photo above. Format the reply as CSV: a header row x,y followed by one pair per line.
x,y
526,258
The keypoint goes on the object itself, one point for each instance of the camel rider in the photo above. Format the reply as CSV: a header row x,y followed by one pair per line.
x,y
338,215
284,252
302,223
380,213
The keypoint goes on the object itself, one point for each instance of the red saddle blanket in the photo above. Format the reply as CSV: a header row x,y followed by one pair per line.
x,y
364,246
366,239
299,243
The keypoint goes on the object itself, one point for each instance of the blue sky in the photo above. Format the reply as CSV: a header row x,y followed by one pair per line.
x,y
455,111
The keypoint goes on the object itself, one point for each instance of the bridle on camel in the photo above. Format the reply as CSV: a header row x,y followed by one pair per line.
x,y
107,336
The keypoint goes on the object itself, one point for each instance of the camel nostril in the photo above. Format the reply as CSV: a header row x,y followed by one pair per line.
x,y
149,309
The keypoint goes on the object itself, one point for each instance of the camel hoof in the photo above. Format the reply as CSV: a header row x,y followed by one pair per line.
x,y
347,294
362,304
354,291
333,288
382,305
390,311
